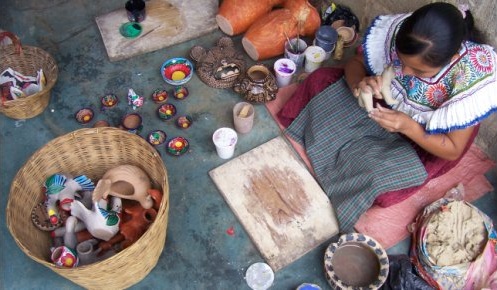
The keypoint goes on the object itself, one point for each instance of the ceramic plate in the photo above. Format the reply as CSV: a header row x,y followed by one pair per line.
x,y
353,252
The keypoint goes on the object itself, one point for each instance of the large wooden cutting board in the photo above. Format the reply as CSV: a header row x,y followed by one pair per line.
x,y
278,202
166,23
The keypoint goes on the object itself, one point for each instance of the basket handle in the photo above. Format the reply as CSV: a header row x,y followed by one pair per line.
x,y
15,40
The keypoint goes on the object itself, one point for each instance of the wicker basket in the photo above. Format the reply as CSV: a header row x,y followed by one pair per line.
x,y
89,151
27,60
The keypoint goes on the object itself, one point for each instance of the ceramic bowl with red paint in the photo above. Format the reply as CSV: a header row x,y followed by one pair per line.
x,y
177,146
84,116
166,111
184,122
177,71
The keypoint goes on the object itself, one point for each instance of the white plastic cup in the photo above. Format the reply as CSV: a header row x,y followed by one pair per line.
x,y
284,69
297,56
314,57
225,140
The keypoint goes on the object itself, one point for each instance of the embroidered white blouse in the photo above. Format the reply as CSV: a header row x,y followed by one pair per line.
x,y
462,94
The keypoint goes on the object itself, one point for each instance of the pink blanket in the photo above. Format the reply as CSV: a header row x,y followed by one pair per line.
x,y
377,222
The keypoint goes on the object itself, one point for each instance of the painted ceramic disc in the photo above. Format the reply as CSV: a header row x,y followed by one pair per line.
x,y
40,218
177,146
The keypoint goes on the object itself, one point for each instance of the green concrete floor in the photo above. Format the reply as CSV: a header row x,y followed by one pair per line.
x,y
198,254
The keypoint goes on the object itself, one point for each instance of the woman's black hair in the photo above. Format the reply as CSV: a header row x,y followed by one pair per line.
x,y
436,32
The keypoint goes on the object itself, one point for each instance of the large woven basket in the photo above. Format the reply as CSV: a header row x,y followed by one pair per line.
x,y
89,151
27,60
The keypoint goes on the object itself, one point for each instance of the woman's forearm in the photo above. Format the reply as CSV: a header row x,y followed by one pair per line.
x,y
448,146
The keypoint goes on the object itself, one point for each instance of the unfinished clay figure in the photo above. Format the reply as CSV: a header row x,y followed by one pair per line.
x,y
366,96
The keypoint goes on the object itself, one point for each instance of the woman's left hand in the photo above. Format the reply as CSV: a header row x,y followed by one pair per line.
x,y
391,120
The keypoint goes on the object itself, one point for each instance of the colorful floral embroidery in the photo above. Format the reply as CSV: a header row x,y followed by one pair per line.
x,y
436,95
481,59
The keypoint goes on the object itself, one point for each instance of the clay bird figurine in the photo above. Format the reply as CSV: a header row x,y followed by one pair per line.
x,y
100,221
63,188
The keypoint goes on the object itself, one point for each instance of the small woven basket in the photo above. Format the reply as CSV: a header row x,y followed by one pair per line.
x,y
89,151
27,60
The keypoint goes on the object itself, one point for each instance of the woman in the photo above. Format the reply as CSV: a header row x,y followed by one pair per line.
x,y
444,85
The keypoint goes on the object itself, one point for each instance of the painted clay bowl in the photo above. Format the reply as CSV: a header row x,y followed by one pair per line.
x,y
159,96
177,71
180,92
109,101
184,122
166,111
84,116
101,123
132,123
156,137
356,261
177,146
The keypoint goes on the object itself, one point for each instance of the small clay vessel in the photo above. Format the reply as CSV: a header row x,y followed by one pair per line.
x,y
259,85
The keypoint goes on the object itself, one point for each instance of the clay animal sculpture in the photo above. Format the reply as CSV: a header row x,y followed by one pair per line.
x,y
220,66
63,189
125,181
366,96
101,222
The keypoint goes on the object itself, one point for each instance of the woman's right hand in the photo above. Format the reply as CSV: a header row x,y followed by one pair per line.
x,y
369,83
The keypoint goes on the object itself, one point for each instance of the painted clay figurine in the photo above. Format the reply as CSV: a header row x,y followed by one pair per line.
x,y
366,96
125,181
134,99
135,221
100,221
63,188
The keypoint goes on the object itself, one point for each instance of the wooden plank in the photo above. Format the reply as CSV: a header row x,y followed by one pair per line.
x,y
278,202
166,23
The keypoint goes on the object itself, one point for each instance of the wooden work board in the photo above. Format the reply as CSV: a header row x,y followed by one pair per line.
x,y
277,200
166,23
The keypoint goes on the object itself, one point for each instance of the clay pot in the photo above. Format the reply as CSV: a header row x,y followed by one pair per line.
x,y
259,85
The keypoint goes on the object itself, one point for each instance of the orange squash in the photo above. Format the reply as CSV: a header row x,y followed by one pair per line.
x,y
235,16
266,38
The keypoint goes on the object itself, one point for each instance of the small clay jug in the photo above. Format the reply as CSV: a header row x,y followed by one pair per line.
x,y
89,253
259,84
